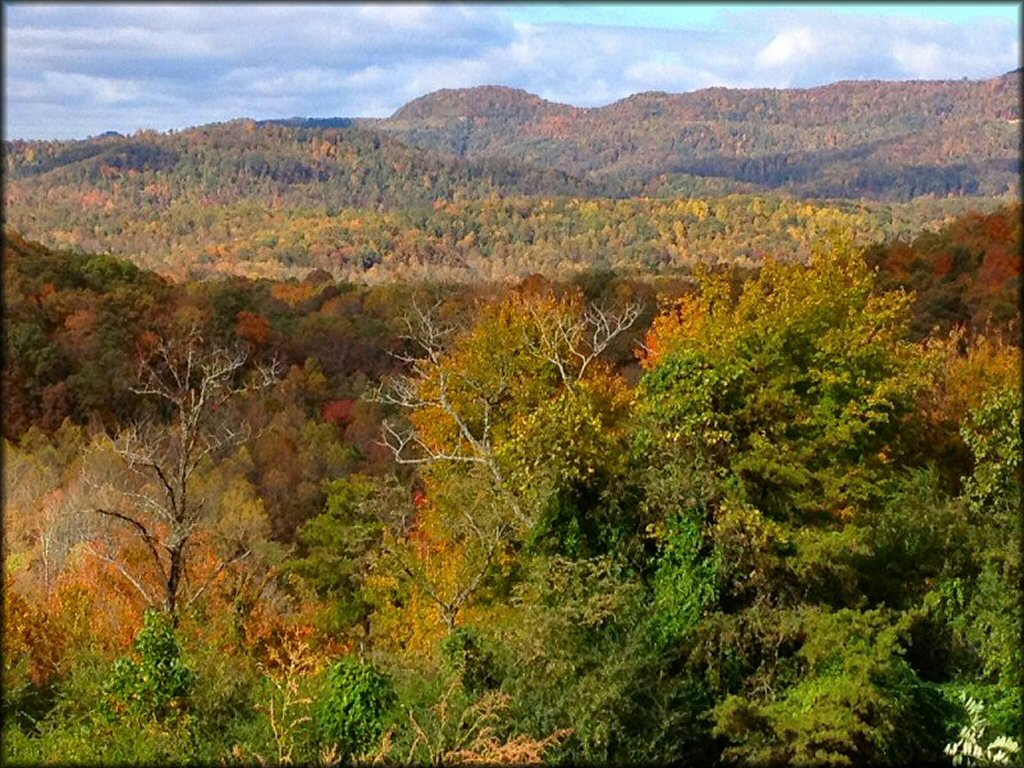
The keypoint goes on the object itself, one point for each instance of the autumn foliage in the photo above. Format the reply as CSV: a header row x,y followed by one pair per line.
x,y
755,514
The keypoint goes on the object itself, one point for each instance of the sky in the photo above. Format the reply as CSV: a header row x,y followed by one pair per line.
x,y
75,70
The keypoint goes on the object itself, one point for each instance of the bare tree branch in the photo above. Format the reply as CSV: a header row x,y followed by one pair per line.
x,y
605,327
151,541
196,381
121,569
427,335
236,559
397,442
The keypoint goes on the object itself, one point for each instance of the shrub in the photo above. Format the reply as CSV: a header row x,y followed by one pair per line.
x,y
350,717
156,684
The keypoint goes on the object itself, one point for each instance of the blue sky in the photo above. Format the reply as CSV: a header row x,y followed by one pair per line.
x,y
74,70
682,15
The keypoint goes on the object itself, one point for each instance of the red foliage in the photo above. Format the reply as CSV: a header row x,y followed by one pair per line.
x,y
339,412
147,343
57,402
943,263
900,259
1000,265
30,633
252,327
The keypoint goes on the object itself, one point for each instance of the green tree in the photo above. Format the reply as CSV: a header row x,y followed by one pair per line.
x,y
993,494
336,551
354,710
786,402
158,682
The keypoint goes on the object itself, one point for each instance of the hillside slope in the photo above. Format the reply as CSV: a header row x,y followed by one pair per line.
x,y
885,140
267,162
511,184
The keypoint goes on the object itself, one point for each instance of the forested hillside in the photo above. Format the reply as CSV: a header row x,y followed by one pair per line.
x,y
965,275
684,430
172,200
277,201
881,140
514,185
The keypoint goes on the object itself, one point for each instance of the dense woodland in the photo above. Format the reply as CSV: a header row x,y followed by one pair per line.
x,y
685,430
493,183
881,140
758,515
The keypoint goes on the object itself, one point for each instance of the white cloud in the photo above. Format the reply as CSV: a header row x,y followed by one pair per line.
x,y
788,47
71,87
50,45
269,81
921,60
669,76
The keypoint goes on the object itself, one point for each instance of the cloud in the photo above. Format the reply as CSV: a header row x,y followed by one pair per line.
x,y
788,46
80,69
918,58
812,47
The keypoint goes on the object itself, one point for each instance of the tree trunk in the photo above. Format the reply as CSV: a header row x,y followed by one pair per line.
x,y
173,579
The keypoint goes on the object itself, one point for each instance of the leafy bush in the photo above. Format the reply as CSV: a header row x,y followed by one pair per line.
x,y
84,729
969,748
159,682
352,714
464,657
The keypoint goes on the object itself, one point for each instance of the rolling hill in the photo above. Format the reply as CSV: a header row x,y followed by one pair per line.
x,y
492,181
884,140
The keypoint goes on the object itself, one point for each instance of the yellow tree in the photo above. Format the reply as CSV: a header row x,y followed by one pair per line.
x,y
501,420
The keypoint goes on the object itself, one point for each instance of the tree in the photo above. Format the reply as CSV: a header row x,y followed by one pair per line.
x,y
352,714
993,492
155,500
468,402
505,421
789,407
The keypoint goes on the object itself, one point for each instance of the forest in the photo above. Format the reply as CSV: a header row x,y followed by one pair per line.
x,y
870,139
758,510
489,183
684,430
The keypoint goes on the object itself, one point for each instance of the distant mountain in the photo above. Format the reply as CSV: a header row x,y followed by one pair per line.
x,y
310,122
884,140
488,102
169,200
494,181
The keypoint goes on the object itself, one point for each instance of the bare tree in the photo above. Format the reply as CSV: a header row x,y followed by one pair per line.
x,y
43,506
570,342
429,339
154,498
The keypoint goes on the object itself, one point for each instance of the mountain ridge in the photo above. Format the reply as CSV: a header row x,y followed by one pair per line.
x,y
523,94
880,124
496,180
